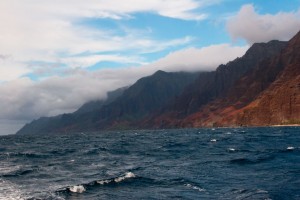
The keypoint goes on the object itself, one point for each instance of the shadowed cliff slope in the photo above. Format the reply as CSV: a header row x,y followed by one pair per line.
x,y
213,85
122,109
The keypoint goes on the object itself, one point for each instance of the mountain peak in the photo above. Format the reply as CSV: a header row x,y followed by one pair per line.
x,y
160,72
260,48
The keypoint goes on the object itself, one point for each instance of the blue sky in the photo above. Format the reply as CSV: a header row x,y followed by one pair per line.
x,y
55,55
93,35
151,26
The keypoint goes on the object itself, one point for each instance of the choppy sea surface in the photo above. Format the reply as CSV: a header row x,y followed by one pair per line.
x,y
241,163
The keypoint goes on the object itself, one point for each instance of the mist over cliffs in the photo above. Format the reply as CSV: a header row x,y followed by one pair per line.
x,y
121,109
261,88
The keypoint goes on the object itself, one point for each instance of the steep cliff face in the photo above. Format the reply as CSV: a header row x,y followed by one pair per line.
x,y
211,86
280,102
267,95
123,109
148,94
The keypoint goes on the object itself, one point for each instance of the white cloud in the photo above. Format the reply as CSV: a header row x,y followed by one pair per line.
x,y
87,61
117,9
10,69
206,58
253,27
24,99
48,31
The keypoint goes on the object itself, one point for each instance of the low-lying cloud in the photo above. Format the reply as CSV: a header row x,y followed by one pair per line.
x,y
25,99
200,59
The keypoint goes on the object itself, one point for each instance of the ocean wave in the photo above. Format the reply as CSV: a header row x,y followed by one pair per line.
x,y
127,175
245,161
190,167
44,197
20,172
187,183
95,151
77,189
83,187
61,151
194,187
244,194
289,149
27,155
2,149
9,191
213,140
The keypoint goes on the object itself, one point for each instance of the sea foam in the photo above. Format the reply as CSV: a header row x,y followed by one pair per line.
x,y
83,187
119,179
195,187
77,189
290,148
126,176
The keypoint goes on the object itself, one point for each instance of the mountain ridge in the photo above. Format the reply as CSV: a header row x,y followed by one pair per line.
x,y
211,85
261,88
260,97
146,95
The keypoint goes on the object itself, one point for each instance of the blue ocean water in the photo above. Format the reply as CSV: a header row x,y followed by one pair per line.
x,y
225,163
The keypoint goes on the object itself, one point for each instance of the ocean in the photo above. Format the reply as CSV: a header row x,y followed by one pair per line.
x,y
220,163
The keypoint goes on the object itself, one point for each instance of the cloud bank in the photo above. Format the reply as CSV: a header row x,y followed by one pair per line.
x,y
200,59
253,27
56,95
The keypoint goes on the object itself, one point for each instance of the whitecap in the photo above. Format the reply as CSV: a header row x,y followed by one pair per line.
x,y
290,148
213,140
231,149
262,191
195,187
122,178
103,182
77,189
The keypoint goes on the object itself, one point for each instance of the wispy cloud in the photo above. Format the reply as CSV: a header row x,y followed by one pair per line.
x,y
90,60
48,31
11,69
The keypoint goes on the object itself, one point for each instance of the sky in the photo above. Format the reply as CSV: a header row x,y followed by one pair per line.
x,y
56,55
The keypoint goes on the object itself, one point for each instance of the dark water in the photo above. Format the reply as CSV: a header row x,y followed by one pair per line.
x,y
254,163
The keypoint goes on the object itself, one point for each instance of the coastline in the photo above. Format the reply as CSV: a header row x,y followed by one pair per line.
x,y
288,125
